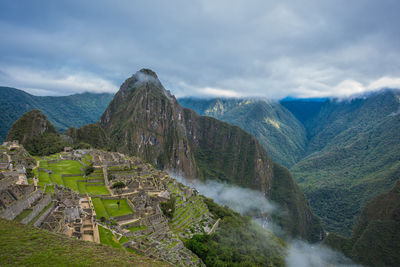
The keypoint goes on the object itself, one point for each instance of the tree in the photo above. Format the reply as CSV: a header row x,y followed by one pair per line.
x,y
118,185
88,169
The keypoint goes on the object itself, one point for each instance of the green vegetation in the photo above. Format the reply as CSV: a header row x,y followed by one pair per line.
x,y
108,238
69,174
341,153
41,213
23,215
353,156
23,245
36,134
137,228
90,135
168,208
376,238
109,208
63,111
118,185
287,193
87,170
277,130
66,167
237,242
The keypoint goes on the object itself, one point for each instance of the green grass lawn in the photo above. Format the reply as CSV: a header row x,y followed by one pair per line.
x,y
109,208
107,238
62,167
69,167
112,207
95,190
99,208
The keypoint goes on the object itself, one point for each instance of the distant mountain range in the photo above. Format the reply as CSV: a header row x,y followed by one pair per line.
x,y
62,111
342,153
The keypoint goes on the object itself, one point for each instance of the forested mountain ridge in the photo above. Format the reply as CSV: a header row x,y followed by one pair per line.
x,y
36,134
62,111
353,155
277,130
376,238
341,152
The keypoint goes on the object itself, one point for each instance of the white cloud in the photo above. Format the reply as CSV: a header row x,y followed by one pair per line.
x,y
218,92
54,82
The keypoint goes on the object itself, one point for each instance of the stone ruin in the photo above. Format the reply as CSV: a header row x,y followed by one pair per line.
x,y
72,215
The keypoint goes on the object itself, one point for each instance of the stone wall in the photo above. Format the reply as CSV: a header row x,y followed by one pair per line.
x,y
17,207
37,208
6,182
42,217
124,217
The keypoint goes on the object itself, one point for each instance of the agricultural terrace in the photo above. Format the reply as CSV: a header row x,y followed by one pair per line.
x,y
109,208
69,173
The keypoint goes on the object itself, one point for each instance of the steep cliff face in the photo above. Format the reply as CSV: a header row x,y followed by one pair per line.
x,y
145,120
36,134
227,153
91,134
276,129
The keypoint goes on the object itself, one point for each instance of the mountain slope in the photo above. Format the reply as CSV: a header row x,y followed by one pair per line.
x,y
36,134
353,155
23,245
63,111
277,130
376,238
145,120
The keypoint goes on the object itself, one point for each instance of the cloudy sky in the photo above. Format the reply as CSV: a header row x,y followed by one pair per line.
x,y
228,48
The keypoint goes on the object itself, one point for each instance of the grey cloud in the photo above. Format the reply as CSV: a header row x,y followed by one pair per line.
x,y
249,48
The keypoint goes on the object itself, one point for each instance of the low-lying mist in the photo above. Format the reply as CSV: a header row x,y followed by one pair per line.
x,y
247,201
243,200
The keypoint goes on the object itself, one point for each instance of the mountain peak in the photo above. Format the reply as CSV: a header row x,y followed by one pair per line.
x,y
147,72
145,76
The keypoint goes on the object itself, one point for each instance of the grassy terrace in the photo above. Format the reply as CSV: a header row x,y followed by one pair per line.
x,y
108,238
137,228
185,215
70,167
109,208
41,213
22,245
23,215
